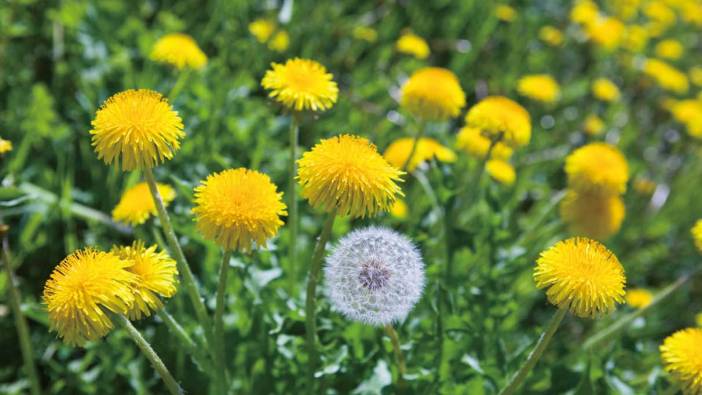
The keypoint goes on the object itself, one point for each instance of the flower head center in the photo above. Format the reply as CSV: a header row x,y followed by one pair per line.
x,y
373,275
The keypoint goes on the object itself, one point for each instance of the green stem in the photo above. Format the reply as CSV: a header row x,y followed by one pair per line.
x,y
311,301
150,354
183,267
535,354
399,359
415,143
222,376
293,222
185,339
179,84
20,322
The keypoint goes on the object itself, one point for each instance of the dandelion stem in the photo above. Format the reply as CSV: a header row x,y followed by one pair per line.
x,y
311,301
20,322
183,267
222,375
535,354
150,354
415,143
179,84
390,331
293,221
174,327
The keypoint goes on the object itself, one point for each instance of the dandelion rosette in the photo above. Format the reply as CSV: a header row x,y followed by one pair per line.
x,y
136,204
138,127
697,234
581,275
597,167
638,298
427,148
594,215
682,358
179,50
501,119
81,291
412,44
501,171
301,84
433,94
347,174
471,140
374,275
540,87
156,277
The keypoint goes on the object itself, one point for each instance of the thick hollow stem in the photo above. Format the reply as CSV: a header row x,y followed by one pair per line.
x,y
311,301
174,327
415,143
179,84
535,354
150,354
399,359
293,222
222,376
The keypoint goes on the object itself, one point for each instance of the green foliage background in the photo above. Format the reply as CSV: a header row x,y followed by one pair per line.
x,y
60,59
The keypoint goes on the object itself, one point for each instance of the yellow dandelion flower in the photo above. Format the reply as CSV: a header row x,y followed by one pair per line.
x,y
505,13
399,209
82,289
502,119
696,75
593,125
280,41
666,76
136,204
301,84
501,171
594,215
691,12
433,94
605,90
644,186
138,128
697,234
682,358
582,276
597,167
584,12
365,33
698,319
179,50
156,277
411,44
638,298
551,36
661,17
238,207
635,38
689,113
540,87
347,174
606,32
262,29
669,49
5,146
427,148
472,141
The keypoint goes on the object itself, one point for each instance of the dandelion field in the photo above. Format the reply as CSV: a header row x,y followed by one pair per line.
x,y
290,197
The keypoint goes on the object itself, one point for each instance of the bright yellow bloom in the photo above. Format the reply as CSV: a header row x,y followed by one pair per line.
x,y
501,171
605,90
661,17
262,29
666,76
697,234
593,125
635,38
689,113
238,207
698,319
301,84
582,276
551,36
669,49
502,119
638,298
347,174
179,50
136,204
692,13
280,41
472,141
411,44
5,146
399,209
541,87
606,32
427,148
82,289
365,33
682,358
696,75
433,94
138,128
594,215
597,167
156,276
584,12
505,13
644,186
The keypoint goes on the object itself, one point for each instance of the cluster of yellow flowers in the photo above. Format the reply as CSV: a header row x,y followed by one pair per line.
x,y
266,31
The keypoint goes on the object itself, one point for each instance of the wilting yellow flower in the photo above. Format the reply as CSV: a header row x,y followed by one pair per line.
x,y
592,214
427,148
697,234
635,38
156,276
347,174
505,13
82,289
551,36
605,90
138,128
681,353
301,84
593,125
365,33
606,32
502,119
179,50
472,141
501,171
399,209
136,204
5,146
669,49
433,94
638,298
411,44
541,87
262,29
597,167
280,41
584,12
696,75
666,76
644,186
238,207
582,276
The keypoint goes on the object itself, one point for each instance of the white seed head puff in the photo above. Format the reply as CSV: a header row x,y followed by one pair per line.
x,y
374,275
